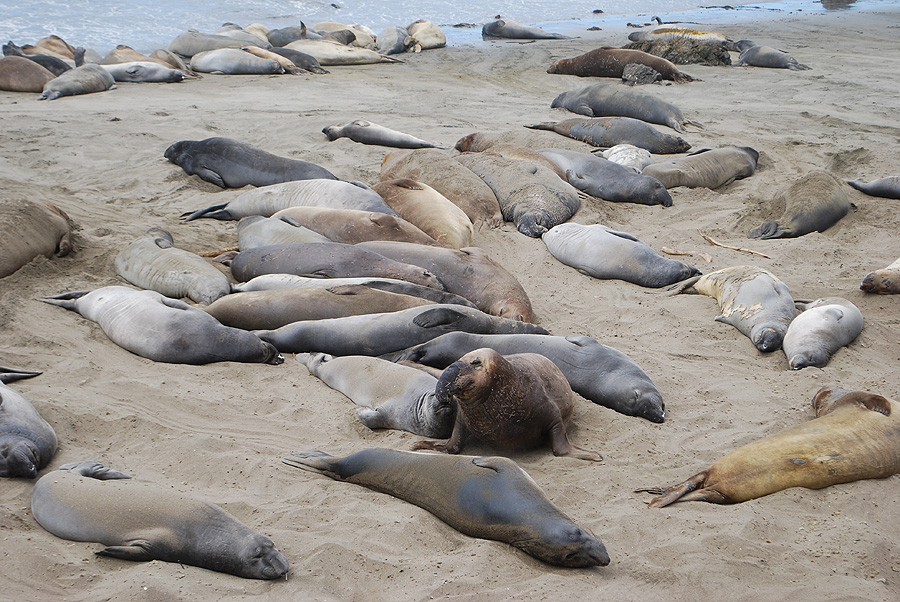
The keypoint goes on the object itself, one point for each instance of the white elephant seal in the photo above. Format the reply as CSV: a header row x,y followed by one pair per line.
x,y
390,396
233,61
887,187
143,71
629,155
86,501
27,441
366,132
825,326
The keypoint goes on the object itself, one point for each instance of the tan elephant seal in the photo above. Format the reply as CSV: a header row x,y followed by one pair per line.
x,y
516,401
31,229
813,203
351,226
609,62
432,212
706,168
427,35
883,282
19,74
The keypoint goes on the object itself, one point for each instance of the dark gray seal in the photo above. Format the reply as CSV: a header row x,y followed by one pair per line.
x,y
27,441
485,497
888,187
509,29
304,61
766,56
366,132
707,168
86,501
825,326
605,132
813,203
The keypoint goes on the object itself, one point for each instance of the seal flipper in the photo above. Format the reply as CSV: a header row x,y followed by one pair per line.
x,y
8,375
768,230
437,317
678,492
66,300
683,286
313,461
215,212
94,470
211,176
138,551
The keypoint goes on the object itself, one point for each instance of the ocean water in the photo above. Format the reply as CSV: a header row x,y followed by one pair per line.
x,y
149,24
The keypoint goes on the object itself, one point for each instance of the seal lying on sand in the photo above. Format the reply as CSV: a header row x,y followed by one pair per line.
x,y
766,56
609,62
85,501
80,80
855,435
485,497
883,282
258,231
813,203
18,74
31,229
887,187
815,335
605,132
507,28
366,132
707,168
27,441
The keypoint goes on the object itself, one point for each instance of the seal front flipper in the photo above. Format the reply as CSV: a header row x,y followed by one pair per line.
x,y
138,551
211,176
94,470
313,461
437,317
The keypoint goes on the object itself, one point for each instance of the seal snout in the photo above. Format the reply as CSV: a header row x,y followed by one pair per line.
x,y
768,339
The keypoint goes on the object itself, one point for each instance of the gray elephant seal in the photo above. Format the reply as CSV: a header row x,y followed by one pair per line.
x,y
366,132
883,282
484,497
27,441
233,164
258,231
156,327
595,371
394,40
41,229
85,501
516,401
813,203
751,299
80,80
389,396
507,28
377,334
193,42
143,71
605,132
766,56
815,335
233,61
302,60
706,168
604,253
887,187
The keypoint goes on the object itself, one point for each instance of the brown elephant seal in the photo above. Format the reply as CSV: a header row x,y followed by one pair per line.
x,y
517,401
427,35
478,142
432,212
887,187
389,395
484,497
706,168
825,326
751,299
154,262
86,501
468,272
855,435
19,74
351,226
31,229
80,80
258,231
161,329
883,282
27,441
609,62
604,253
509,29
366,132
813,203
766,56
54,65
605,132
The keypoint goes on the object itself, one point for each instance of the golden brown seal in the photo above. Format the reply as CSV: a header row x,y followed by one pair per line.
x,y
609,62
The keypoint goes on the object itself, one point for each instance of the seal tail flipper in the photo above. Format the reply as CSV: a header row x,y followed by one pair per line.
x,y
94,470
767,230
138,551
8,375
66,300
692,123
683,286
214,212
312,461
677,493
546,125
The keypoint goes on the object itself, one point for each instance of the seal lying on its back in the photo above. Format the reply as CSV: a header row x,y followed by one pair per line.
x,y
85,501
609,62
485,497
815,335
855,435
813,203
27,441
888,187
610,131
707,168
366,132
883,282
233,164
507,28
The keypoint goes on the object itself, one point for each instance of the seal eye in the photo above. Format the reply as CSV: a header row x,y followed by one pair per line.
x,y
475,362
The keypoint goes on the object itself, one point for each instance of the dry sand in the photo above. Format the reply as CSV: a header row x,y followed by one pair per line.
x,y
218,431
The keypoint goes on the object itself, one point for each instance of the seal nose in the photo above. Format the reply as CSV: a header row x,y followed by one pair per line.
x,y
446,385
769,340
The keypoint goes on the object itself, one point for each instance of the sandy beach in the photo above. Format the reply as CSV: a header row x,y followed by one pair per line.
x,y
219,431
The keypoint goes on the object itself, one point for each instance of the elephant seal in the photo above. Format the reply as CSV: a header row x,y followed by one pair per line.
x,y
668,32
161,329
86,501
824,326
366,132
516,401
615,100
604,253
143,71
330,53
233,61
54,65
318,192
606,180
377,334
193,42
18,74
609,62
302,60
27,441
287,64
80,80
427,35
326,260
394,40
484,497
706,168
609,131
628,155
595,371
285,35
258,231
468,272
351,226
432,212
888,187
751,299
853,436
883,282
509,29
766,56
153,262
230,163
813,203
31,229
478,142
389,396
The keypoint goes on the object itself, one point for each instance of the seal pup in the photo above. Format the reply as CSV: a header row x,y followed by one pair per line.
x,y
706,168
27,441
161,329
484,497
606,132
258,231
610,62
824,326
813,203
766,56
509,29
751,299
887,187
366,132
517,401
30,229
154,262
18,74
377,334
602,252
853,436
86,501
351,226
883,282
80,80
432,212
389,395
